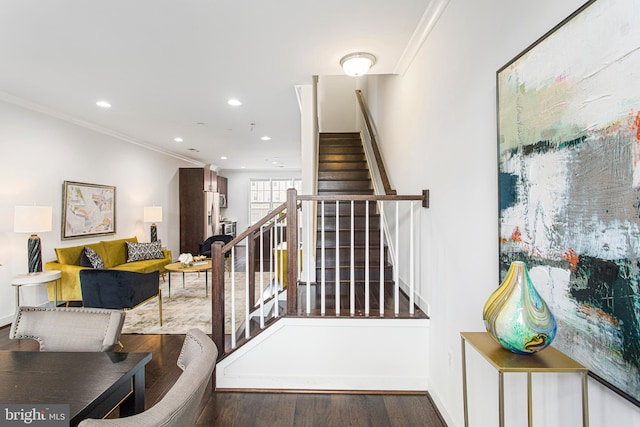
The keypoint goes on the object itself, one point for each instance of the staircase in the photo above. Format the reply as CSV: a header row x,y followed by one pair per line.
x,y
311,345
342,170
325,334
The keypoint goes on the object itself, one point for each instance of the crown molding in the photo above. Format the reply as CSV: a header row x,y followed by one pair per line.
x,y
427,22
12,99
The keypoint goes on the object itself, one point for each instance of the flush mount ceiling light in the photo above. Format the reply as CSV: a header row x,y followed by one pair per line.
x,y
266,138
103,104
178,139
234,102
357,63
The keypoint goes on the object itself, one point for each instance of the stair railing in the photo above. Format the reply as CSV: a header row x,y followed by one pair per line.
x,y
405,228
278,270
261,294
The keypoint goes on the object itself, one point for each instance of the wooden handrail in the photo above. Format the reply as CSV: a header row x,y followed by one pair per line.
x,y
360,197
255,227
376,152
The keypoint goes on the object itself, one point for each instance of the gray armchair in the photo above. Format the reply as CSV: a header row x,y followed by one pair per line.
x,y
69,328
119,289
180,407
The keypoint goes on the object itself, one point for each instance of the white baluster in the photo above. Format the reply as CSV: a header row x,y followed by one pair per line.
x,y
261,277
337,296
352,286
396,268
381,208
366,260
411,260
322,262
247,331
308,257
272,237
233,299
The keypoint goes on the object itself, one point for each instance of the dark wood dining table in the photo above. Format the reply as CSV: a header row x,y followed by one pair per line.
x,y
92,384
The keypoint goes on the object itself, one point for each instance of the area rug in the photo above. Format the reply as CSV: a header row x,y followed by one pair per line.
x,y
186,308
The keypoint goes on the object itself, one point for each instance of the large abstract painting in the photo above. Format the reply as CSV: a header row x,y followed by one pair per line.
x,y
569,182
88,210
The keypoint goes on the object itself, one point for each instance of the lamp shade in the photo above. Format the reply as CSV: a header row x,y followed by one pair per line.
x,y
357,64
32,219
153,214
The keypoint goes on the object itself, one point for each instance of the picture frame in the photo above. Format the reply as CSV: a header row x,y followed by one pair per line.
x,y
88,210
568,110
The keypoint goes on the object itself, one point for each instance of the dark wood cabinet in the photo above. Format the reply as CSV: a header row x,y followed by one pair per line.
x,y
210,180
196,186
222,189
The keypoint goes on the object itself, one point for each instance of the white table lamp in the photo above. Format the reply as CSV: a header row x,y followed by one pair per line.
x,y
153,214
33,219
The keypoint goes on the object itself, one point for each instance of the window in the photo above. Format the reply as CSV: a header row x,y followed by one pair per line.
x,y
267,194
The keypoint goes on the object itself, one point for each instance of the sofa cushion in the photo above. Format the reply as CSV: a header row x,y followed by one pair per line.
x,y
90,258
71,255
143,251
116,251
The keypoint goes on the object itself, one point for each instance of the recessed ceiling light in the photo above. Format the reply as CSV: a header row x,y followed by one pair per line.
x,y
242,167
266,138
103,104
223,157
178,139
234,102
274,163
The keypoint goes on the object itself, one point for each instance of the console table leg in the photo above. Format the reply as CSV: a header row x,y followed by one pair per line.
x,y
529,399
501,399
585,400
464,385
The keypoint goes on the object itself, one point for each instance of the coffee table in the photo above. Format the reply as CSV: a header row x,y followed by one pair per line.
x,y
178,267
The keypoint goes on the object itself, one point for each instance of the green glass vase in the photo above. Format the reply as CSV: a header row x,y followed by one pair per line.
x,y
516,316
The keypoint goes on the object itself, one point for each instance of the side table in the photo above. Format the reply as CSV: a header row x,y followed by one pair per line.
x,y
33,279
547,360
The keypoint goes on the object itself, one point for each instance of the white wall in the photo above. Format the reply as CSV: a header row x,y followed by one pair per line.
x,y
39,152
437,130
337,103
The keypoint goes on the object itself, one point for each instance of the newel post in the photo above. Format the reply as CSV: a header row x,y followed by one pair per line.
x,y
292,251
217,297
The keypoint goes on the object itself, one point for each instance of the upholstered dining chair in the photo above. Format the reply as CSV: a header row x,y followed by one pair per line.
x,y
69,328
119,289
180,407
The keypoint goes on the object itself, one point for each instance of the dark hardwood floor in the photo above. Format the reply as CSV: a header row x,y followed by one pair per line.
x,y
268,409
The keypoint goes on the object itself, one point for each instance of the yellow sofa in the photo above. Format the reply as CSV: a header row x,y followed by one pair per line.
x,y
114,256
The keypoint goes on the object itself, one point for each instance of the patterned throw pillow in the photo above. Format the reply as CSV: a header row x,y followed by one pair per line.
x,y
142,251
93,257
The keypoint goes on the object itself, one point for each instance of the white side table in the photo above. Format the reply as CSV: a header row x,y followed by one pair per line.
x,y
34,279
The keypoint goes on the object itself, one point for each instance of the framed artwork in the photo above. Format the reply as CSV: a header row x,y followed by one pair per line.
x,y
88,210
569,183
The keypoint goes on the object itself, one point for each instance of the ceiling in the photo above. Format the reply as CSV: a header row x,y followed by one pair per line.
x,y
168,67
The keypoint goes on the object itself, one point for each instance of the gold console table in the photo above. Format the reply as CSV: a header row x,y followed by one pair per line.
x,y
545,361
